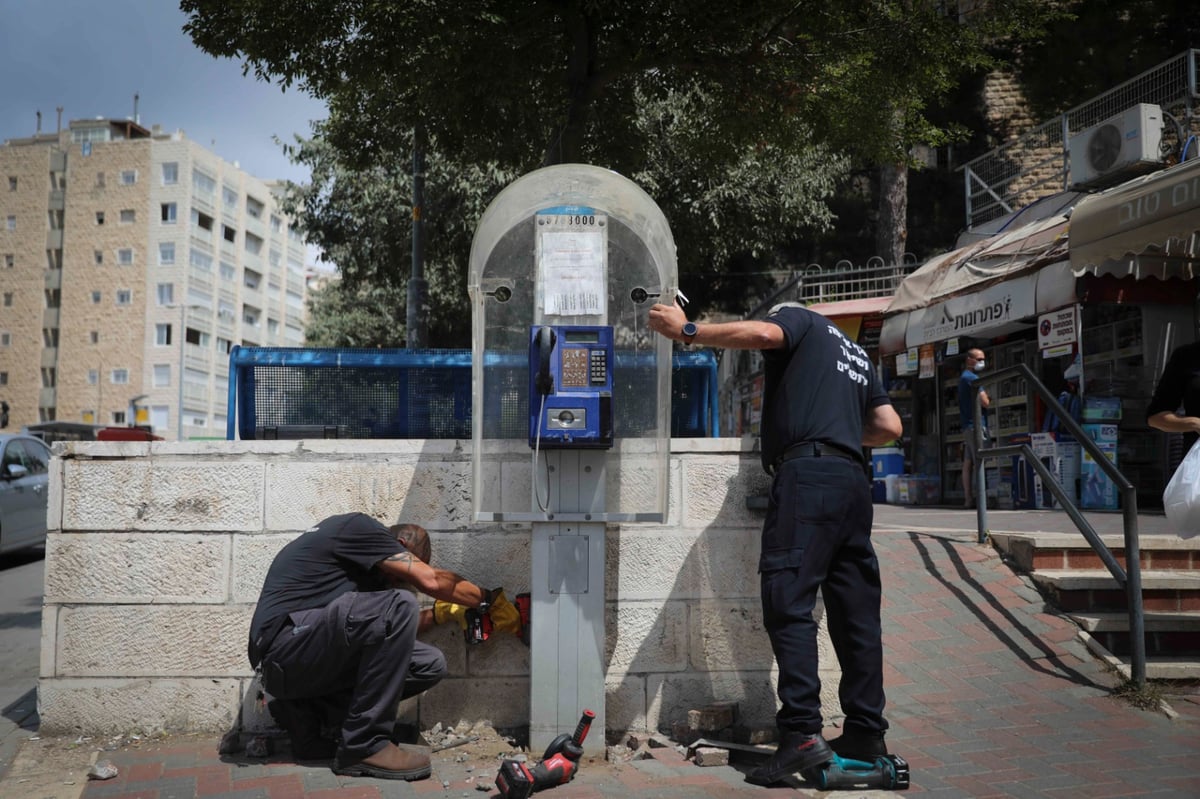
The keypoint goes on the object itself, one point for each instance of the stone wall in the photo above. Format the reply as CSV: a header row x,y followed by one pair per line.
x,y
157,551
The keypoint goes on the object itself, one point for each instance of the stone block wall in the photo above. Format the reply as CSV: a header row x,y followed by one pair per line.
x,y
157,552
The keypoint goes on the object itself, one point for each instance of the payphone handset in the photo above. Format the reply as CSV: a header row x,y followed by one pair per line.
x,y
570,386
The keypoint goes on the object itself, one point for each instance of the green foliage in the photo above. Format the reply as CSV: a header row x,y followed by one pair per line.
x,y
737,117
1101,44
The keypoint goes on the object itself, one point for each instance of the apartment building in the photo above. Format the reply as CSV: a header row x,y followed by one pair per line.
x,y
131,262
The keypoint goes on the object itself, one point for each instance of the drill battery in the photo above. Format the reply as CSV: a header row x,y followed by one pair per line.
x,y
514,781
479,625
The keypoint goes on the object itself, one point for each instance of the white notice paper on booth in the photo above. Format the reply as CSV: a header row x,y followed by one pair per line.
x,y
572,271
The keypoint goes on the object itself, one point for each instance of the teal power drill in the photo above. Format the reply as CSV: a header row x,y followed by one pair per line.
x,y
886,772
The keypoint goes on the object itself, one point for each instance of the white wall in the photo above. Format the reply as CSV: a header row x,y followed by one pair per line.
x,y
157,552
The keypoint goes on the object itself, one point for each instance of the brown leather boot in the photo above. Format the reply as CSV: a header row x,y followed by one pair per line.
x,y
389,763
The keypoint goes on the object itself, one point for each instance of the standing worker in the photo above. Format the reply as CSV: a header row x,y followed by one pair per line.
x,y
335,636
966,414
822,402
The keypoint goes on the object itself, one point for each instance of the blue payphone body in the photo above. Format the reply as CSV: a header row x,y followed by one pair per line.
x,y
570,386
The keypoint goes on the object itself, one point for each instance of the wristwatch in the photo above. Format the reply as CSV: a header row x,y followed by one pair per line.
x,y
689,332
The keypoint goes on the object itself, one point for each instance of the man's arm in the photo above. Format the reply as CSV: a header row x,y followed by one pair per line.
x,y
984,399
668,320
441,584
881,425
1172,422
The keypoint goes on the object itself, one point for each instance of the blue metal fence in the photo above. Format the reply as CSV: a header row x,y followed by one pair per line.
x,y
298,392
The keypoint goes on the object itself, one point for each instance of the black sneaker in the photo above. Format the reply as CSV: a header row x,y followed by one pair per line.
x,y
858,744
797,752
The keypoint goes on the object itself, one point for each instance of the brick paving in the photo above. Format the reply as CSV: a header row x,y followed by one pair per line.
x,y
990,694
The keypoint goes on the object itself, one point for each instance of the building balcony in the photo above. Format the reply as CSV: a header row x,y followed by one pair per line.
x,y
50,317
53,279
54,239
47,398
49,357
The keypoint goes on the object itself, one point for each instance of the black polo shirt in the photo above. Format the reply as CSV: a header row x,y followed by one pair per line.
x,y
818,388
312,570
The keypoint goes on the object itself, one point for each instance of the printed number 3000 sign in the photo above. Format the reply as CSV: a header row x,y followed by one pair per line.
x,y
579,219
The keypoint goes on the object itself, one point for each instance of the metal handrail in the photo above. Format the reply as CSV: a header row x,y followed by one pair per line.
x,y
1131,576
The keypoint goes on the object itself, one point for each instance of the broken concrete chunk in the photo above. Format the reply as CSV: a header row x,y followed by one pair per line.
x,y
711,756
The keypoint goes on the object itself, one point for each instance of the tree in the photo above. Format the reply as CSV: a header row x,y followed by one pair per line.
x,y
505,86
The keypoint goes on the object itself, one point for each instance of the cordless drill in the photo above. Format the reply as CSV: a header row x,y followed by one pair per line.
x,y
558,765
887,772
479,625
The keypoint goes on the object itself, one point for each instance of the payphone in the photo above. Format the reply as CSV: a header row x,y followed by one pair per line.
x,y
565,264
570,386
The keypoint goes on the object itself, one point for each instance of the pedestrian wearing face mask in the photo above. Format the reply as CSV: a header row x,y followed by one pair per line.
x,y
966,412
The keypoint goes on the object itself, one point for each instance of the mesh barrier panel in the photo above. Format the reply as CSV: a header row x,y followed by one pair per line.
x,y
337,393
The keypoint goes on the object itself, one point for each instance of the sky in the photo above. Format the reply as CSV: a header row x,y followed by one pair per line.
x,y
91,56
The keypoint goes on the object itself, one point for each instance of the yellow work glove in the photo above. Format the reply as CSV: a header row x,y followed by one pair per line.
x,y
443,611
505,616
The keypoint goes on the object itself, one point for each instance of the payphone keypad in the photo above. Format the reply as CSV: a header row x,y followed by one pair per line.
x,y
599,362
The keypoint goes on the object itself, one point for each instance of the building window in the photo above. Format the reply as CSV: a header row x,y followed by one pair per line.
x,y
3,378
228,233
93,376
99,217
228,271
166,253
168,213
229,197
166,293
162,335
8,299
162,375
94,336
200,260
203,183
124,296
9,260
12,183
99,180
253,244
203,221
170,173
276,224
5,338
119,377
95,298
99,256
128,216
118,418
125,256
10,222
254,208
128,177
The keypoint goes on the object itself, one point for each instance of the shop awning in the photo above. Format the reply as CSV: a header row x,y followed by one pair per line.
x,y
989,285
861,307
1148,227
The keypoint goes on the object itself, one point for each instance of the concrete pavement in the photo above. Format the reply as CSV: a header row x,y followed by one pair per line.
x,y
990,694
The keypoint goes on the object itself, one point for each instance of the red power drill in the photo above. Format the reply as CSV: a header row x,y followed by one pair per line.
x,y
479,625
558,766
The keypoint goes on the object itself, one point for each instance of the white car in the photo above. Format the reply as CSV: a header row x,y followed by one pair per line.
x,y
24,489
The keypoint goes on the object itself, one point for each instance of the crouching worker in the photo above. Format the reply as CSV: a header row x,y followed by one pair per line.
x,y
334,636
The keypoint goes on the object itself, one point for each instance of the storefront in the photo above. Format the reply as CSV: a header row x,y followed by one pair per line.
x,y
1102,294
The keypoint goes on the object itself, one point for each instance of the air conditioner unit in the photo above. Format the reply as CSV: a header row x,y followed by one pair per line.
x,y
1125,145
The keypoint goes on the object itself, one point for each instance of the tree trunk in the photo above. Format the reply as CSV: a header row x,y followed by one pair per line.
x,y
891,232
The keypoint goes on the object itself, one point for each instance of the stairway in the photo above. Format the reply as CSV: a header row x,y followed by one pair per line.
x,y
1070,574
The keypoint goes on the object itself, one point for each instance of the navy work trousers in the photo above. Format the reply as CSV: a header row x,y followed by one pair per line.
x,y
361,645
817,535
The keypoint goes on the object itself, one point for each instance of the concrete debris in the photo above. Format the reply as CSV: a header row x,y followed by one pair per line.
x,y
711,756
102,770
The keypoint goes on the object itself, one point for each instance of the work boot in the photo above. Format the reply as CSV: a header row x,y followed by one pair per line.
x,y
389,763
856,743
797,752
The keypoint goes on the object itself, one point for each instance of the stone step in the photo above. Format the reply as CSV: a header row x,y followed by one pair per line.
x,y
1044,550
1084,590
1166,634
